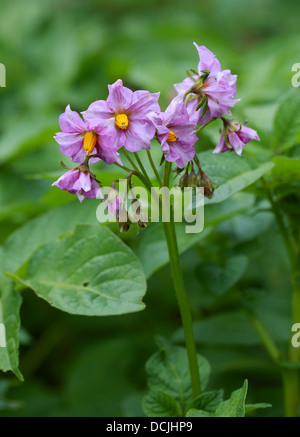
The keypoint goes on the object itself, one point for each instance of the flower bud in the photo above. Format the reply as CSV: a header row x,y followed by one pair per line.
x,y
124,226
205,182
137,215
192,179
113,201
184,181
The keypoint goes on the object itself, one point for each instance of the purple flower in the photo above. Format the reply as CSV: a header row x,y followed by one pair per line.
x,y
79,182
234,137
213,88
176,133
79,139
124,116
113,202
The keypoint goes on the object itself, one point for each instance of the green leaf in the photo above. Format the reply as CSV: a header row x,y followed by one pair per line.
x,y
235,406
198,413
222,167
287,121
20,245
239,182
160,404
89,272
252,407
232,207
286,171
168,371
16,251
207,401
219,279
10,302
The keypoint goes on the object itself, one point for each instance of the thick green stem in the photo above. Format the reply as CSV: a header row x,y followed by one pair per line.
x,y
294,353
290,377
184,307
290,381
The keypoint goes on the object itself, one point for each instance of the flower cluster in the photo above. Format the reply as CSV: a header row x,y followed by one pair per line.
x,y
133,119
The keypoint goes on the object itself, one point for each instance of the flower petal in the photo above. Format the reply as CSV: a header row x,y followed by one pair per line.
x,y
71,145
119,97
221,146
235,142
143,102
70,121
247,134
139,135
176,114
99,109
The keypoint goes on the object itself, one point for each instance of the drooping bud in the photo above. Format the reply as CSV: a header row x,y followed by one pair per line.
x,y
184,181
84,167
205,182
113,201
192,182
233,125
137,215
123,226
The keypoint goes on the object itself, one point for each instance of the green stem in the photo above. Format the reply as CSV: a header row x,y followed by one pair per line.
x,y
184,307
265,337
142,167
130,160
123,167
138,174
282,229
291,392
154,168
290,377
204,125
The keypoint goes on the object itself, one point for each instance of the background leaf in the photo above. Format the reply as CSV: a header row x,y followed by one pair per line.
x,y
218,278
287,121
168,371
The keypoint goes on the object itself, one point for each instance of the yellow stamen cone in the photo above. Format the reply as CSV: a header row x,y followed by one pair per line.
x,y
122,121
172,137
89,142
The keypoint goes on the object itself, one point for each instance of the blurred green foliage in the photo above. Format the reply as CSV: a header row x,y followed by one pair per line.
x,y
66,52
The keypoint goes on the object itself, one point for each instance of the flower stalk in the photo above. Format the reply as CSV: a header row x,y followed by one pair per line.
x,y
183,303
